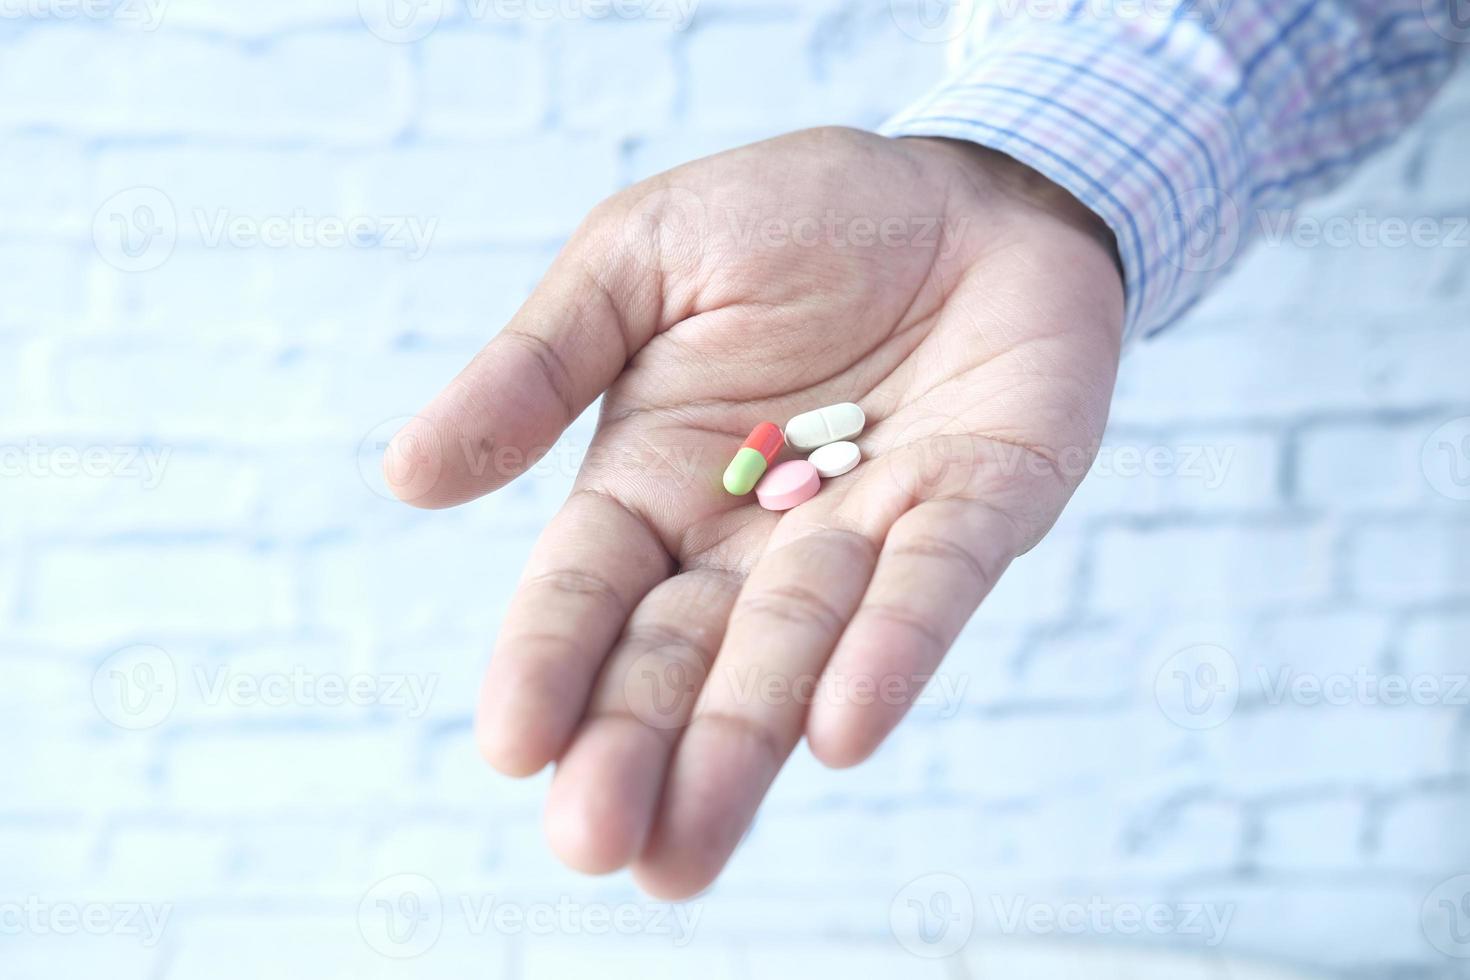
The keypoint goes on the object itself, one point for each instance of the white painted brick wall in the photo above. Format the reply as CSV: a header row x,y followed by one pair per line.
x,y
1318,533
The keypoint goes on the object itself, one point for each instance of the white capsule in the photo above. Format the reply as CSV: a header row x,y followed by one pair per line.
x,y
815,429
835,459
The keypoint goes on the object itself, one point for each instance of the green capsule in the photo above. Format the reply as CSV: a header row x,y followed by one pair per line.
x,y
744,470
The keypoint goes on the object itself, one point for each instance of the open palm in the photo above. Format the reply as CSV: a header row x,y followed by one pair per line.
x,y
670,644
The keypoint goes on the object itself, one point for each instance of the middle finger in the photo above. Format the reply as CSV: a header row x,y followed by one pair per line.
x,y
607,785
751,711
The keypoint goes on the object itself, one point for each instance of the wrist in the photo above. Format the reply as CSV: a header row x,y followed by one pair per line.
x,y
997,172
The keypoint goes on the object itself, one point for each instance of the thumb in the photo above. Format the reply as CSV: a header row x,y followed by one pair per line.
x,y
596,306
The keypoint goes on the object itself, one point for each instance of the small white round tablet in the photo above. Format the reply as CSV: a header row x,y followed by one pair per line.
x,y
835,459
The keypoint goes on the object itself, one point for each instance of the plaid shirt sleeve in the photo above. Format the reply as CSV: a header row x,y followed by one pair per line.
x,y
1179,122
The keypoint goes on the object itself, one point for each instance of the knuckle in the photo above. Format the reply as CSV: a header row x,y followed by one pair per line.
x,y
793,603
578,584
554,370
891,615
776,745
930,547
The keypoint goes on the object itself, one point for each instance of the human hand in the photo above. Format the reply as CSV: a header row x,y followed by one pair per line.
x,y
658,614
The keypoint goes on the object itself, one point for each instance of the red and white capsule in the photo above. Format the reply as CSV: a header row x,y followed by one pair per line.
x,y
756,453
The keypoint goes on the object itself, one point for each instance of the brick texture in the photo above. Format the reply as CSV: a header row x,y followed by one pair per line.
x,y
1310,524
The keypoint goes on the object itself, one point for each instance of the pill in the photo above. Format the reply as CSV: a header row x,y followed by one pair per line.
x,y
835,459
754,455
765,439
787,485
812,430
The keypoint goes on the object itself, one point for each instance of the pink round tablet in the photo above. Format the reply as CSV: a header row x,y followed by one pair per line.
x,y
787,485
